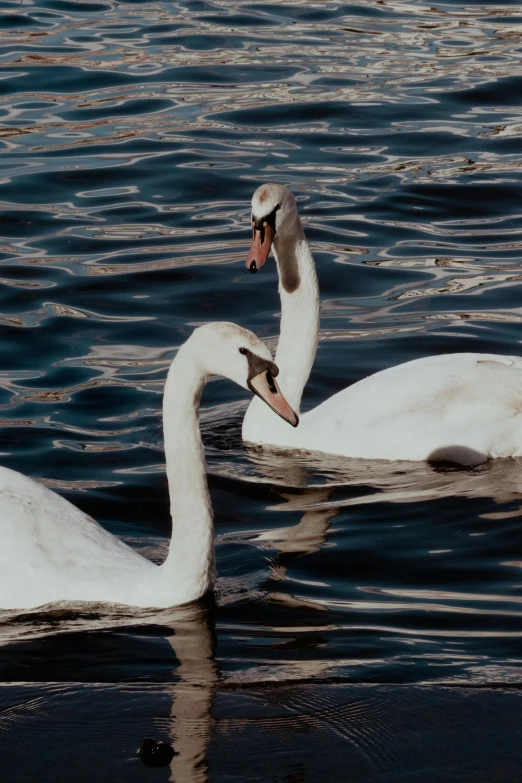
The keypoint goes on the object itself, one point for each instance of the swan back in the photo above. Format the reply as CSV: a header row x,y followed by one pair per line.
x,y
53,551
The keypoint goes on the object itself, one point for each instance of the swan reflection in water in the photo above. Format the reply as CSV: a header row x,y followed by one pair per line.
x,y
193,644
184,722
362,482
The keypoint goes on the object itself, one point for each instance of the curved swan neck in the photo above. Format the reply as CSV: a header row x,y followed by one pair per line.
x,y
299,292
190,561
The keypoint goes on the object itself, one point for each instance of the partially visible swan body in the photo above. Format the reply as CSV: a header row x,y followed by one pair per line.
x,y
53,552
464,408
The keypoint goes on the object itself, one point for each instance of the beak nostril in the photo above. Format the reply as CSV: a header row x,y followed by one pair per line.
x,y
253,267
261,382
271,384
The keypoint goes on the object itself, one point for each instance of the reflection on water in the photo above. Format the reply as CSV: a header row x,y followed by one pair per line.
x,y
223,733
193,646
133,135
185,718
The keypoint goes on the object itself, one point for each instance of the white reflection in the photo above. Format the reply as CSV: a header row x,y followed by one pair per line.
x,y
310,533
364,482
191,714
192,642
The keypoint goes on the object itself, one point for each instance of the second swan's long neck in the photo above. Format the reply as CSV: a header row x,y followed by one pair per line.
x,y
189,566
299,292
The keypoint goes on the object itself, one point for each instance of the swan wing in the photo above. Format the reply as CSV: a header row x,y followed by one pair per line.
x,y
53,551
434,407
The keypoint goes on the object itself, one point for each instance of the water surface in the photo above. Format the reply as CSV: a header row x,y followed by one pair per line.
x,y
133,135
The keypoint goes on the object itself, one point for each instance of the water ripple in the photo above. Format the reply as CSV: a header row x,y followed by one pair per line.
x,y
133,135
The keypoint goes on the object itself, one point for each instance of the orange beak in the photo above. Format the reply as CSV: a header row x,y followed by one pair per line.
x,y
265,386
262,238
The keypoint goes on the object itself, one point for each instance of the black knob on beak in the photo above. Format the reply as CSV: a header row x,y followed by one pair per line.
x,y
253,267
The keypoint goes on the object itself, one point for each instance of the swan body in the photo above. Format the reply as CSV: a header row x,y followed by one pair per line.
x,y
465,407
52,552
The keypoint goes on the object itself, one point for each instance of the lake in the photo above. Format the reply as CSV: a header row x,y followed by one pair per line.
x,y
366,623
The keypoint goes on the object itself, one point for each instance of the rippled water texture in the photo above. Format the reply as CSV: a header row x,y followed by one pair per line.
x,y
133,135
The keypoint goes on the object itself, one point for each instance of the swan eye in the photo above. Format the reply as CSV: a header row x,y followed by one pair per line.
x,y
244,351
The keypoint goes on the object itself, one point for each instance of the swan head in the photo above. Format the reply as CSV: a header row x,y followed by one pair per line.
x,y
236,353
274,211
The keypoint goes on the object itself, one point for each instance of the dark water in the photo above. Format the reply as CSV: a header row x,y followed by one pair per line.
x,y
350,595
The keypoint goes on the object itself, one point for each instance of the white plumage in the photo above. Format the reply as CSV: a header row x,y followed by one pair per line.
x,y
459,407
52,552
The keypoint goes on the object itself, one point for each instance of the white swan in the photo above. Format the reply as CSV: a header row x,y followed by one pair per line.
x,y
459,407
53,552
